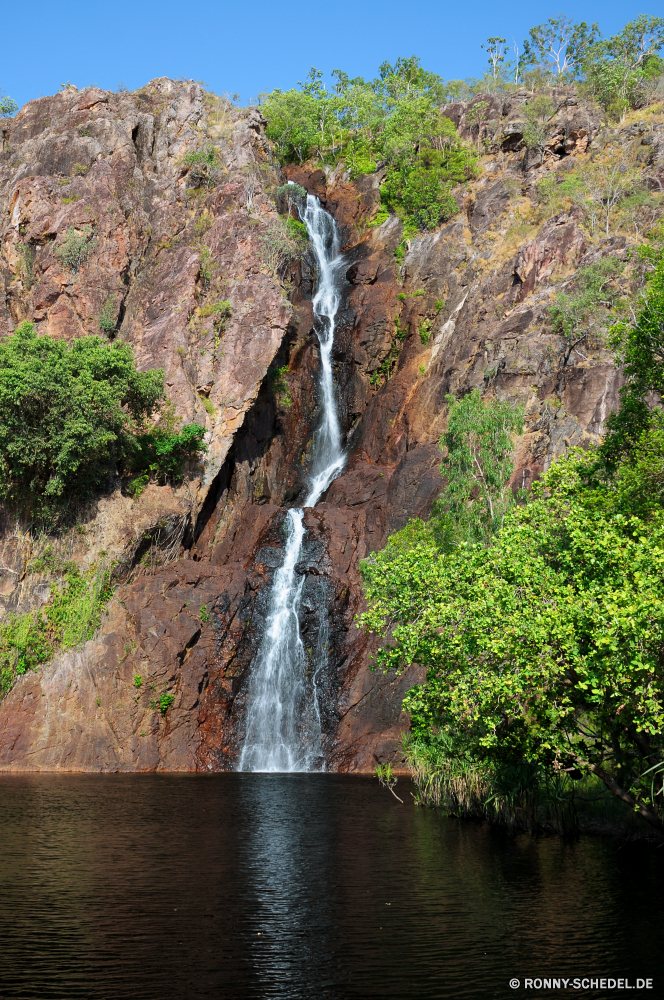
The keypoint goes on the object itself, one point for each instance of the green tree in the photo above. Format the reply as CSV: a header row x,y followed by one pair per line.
x,y
617,67
395,119
545,648
559,44
69,414
496,49
581,313
8,107
292,118
407,77
426,160
639,349
479,442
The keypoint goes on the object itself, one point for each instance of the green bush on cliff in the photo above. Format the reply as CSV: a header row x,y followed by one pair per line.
x,y
70,414
71,616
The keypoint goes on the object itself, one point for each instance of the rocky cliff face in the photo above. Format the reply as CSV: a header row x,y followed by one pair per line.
x,y
468,307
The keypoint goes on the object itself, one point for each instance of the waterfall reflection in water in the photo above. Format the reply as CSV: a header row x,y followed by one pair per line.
x,y
283,727
300,887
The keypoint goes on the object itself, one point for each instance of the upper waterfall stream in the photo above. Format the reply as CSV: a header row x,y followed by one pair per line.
x,y
283,731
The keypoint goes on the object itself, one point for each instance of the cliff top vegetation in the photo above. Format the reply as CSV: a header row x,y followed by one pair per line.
x,y
397,121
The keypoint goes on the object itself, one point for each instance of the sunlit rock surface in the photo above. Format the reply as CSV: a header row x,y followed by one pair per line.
x,y
479,288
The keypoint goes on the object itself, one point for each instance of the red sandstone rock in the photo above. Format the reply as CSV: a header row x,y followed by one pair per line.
x,y
492,331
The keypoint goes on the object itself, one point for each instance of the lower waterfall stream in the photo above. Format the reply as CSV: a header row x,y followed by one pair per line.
x,y
283,730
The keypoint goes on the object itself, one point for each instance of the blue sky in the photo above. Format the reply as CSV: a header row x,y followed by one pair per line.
x,y
253,45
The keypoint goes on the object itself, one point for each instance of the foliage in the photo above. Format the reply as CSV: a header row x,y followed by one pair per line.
x,y
476,117
203,166
71,616
477,468
204,613
292,194
387,778
559,44
618,67
495,50
282,243
421,189
107,317
517,796
138,485
165,701
543,648
76,247
222,310
67,416
395,119
8,107
537,113
578,315
204,265
640,352
278,385
599,187
164,454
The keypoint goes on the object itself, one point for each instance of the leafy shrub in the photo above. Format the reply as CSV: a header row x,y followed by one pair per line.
x,y
208,405
165,702
68,415
477,469
221,309
164,454
203,166
542,643
291,194
138,485
282,245
278,385
425,331
395,119
107,318
76,247
422,189
537,113
205,265
50,561
296,229
578,315
71,616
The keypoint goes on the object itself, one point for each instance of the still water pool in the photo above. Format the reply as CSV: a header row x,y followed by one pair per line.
x,y
301,887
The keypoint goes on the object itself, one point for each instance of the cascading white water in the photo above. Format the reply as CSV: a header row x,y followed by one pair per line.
x,y
283,714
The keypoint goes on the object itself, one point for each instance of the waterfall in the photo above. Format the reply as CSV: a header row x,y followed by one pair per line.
x,y
283,715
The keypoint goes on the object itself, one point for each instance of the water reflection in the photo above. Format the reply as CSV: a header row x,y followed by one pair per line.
x,y
289,869
298,887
